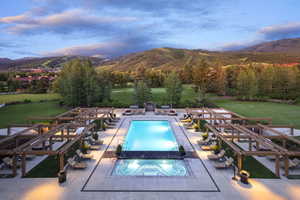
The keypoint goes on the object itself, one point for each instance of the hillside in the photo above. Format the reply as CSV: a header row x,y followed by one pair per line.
x,y
285,45
170,58
47,62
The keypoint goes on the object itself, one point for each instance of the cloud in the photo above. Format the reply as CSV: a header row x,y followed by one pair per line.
x,y
65,22
106,49
266,34
103,49
281,31
234,46
15,19
158,7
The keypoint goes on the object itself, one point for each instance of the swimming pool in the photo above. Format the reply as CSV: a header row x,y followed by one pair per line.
x,y
143,167
149,135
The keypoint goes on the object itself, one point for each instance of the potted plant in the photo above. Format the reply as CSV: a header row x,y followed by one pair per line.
x,y
84,148
95,136
119,150
182,150
62,176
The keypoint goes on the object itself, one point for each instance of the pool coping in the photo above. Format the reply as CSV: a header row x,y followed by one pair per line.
x,y
170,124
147,190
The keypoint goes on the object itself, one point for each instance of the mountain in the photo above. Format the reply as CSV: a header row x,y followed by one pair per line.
x,y
175,59
285,45
43,62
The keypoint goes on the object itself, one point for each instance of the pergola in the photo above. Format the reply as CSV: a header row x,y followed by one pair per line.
x,y
234,127
60,130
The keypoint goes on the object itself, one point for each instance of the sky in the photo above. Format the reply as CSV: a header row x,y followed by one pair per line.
x,y
111,28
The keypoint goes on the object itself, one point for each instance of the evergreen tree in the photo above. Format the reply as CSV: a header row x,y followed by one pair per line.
x,y
142,93
173,89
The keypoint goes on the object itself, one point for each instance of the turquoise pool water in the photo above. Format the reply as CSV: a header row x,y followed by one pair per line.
x,y
150,136
136,167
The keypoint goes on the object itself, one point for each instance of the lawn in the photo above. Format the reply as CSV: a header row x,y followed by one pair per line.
x,y
282,114
32,97
124,96
18,114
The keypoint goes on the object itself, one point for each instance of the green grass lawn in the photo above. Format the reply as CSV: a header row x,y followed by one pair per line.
x,y
18,114
282,114
124,96
33,97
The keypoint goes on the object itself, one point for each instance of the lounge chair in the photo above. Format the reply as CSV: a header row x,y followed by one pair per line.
x,y
186,116
189,125
83,156
127,112
139,111
211,147
113,117
76,165
109,122
106,125
9,162
188,120
92,141
216,156
172,112
228,163
206,141
92,146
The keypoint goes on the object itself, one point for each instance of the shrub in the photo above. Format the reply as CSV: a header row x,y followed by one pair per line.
x,y
119,150
182,150
95,136
202,125
27,101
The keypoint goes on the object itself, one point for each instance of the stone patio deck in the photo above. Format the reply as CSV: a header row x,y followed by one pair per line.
x,y
81,183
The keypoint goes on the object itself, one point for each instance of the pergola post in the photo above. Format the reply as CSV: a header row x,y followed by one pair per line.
x,y
277,166
14,167
286,166
50,143
239,162
8,130
23,164
61,161
250,144
62,134
257,146
284,143
68,133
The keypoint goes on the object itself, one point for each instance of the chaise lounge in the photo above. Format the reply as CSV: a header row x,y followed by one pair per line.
x,y
76,165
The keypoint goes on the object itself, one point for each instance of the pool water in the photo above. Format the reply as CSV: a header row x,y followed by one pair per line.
x,y
150,136
143,167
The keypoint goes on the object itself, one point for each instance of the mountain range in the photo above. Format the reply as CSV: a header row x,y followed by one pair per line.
x,y
280,51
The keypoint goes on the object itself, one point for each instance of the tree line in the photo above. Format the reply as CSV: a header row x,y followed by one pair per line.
x,y
81,85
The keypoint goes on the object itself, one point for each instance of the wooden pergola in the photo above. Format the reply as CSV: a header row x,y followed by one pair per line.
x,y
234,127
60,130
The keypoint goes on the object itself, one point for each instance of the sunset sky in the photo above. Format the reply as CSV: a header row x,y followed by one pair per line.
x,y
112,28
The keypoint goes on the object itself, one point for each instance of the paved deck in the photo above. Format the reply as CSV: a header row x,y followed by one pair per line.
x,y
86,184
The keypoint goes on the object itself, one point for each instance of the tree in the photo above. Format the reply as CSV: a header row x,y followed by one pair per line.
x,y
174,89
266,80
247,83
187,73
77,84
201,78
142,93
221,82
